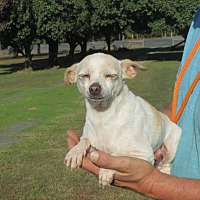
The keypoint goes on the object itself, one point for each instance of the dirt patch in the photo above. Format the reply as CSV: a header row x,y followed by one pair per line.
x,y
6,136
12,97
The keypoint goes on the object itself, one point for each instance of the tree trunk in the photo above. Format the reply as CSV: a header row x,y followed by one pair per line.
x,y
108,41
53,53
38,49
28,57
83,47
73,46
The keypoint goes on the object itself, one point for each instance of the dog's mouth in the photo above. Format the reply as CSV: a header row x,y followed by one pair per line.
x,y
94,98
98,97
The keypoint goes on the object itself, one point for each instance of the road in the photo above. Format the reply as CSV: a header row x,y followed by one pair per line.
x,y
157,42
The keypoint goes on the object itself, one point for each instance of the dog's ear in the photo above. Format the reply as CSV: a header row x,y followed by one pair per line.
x,y
131,68
70,75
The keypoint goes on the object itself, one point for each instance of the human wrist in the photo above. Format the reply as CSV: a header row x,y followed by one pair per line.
x,y
146,185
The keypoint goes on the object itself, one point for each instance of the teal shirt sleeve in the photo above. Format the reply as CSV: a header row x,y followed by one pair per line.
x,y
187,159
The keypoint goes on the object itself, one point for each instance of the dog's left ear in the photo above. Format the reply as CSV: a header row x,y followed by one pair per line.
x,y
131,68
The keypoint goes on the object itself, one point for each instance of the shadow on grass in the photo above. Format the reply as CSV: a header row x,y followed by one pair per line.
x,y
141,54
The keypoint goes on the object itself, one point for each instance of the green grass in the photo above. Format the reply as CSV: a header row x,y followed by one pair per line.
x,y
36,109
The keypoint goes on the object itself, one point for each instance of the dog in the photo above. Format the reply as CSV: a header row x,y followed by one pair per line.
x,y
117,121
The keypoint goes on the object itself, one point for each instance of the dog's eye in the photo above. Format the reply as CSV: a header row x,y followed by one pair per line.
x,y
111,76
85,76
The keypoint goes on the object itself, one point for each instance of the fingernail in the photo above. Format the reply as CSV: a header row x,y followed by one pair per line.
x,y
94,156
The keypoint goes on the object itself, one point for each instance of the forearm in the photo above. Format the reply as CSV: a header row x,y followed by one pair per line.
x,y
164,187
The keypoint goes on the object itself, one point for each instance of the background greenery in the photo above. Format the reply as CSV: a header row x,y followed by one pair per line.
x,y
36,109
27,22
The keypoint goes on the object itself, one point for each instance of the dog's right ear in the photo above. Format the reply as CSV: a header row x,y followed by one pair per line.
x,y
70,75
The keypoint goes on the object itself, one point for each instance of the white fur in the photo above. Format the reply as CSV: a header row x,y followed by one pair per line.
x,y
118,122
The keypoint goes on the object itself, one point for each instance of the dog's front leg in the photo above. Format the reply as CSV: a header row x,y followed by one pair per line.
x,y
106,177
75,156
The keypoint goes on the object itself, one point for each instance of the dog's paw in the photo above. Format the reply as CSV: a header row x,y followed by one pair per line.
x,y
105,177
166,168
74,157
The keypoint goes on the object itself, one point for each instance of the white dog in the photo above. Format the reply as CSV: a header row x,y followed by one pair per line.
x,y
118,122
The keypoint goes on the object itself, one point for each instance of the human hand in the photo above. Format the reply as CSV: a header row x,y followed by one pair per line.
x,y
167,110
132,173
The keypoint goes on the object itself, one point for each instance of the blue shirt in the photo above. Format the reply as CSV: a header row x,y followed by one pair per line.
x,y
187,159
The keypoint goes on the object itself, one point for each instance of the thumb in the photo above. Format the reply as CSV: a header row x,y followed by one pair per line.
x,y
104,160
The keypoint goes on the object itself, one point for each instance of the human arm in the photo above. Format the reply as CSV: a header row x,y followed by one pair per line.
x,y
140,176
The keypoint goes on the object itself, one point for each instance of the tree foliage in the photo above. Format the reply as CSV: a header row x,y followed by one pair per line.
x,y
108,19
79,29
175,14
49,16
5,8
19,29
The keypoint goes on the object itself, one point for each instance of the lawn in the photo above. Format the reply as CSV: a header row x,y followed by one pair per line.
x,y
36,109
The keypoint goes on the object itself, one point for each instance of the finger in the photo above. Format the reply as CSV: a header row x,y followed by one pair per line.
x,y
158,156
89,166
103,160
73,135
71,143
167,110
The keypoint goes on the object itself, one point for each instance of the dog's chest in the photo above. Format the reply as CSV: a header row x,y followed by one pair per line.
x,y
106,138
127,124
106,131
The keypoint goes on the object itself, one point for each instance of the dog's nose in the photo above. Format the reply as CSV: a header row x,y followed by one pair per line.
x,y
95,89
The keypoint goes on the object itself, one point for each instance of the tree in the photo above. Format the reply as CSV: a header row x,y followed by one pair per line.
x,y
62,21
109,19
160,15
78,30
140,14
175,14
18,30
50,25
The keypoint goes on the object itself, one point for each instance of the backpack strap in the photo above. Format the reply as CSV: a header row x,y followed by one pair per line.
x,y
175,117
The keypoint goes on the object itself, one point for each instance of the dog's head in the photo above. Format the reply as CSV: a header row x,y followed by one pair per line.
x,y
100,76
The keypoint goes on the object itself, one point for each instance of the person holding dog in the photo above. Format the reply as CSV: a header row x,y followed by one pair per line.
x,y
139,175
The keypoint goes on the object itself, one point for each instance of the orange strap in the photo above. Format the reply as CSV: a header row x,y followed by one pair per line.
x,y
175,117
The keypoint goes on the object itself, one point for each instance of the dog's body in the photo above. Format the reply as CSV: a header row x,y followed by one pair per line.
x,y
118,122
